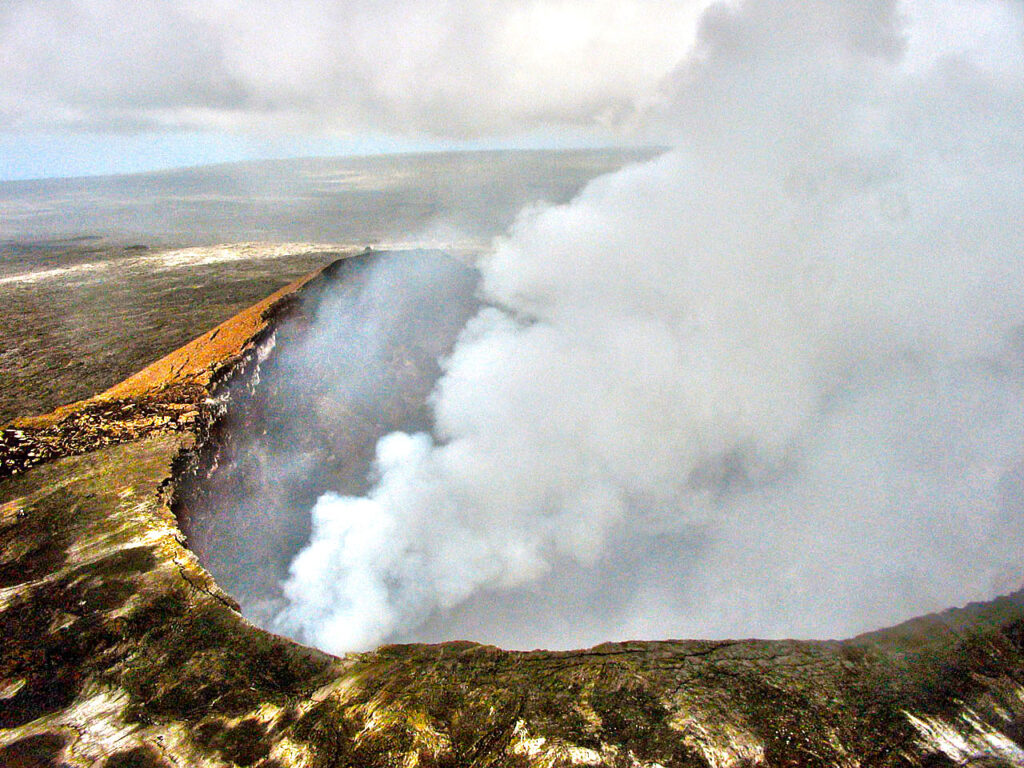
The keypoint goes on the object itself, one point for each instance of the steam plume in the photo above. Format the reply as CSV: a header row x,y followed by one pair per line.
x,y
769,383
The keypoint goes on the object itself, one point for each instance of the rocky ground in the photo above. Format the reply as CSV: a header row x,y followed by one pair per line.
x,y
83,315
120,650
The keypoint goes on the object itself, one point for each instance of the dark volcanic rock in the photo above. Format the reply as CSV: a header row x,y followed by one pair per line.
x,y
120,650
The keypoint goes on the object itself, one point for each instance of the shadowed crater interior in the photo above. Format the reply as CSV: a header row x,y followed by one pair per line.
x,y
338,373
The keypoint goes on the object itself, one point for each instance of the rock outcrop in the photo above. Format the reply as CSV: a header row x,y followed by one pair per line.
x,y
120,650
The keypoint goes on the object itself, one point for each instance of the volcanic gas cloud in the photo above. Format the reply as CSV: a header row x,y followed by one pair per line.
x,y
768,383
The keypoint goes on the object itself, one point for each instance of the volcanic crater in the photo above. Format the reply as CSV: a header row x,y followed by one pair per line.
x,y
125,648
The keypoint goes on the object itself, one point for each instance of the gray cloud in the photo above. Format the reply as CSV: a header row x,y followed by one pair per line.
x,y
451,69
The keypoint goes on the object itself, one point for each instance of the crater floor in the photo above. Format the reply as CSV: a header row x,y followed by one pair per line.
x,y
120,650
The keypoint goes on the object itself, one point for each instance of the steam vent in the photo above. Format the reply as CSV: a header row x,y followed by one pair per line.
x,y
119,648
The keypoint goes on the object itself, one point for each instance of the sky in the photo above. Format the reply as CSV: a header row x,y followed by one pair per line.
x,y
98,86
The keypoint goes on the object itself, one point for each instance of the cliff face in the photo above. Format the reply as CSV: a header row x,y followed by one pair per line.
x,y
120,650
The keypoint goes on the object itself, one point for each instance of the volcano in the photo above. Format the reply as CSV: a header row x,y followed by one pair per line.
x,y
122,649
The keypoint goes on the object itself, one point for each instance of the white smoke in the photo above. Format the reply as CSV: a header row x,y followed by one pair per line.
x,y
769,383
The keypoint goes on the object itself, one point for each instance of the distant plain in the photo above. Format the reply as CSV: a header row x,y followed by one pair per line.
x,y
101,276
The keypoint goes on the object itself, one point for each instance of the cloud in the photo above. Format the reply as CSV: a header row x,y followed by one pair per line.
x,y
450,69
768,383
